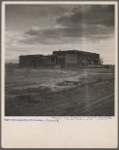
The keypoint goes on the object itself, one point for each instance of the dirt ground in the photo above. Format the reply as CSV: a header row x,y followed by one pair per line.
x,y
59,92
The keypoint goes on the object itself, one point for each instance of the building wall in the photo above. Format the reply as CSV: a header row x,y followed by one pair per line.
x,y
30,61
61,59
37,61
70,60
79,58
88,59
61,62
24,61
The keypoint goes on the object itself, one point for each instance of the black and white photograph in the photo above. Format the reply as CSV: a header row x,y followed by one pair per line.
x,y
59,74
60,60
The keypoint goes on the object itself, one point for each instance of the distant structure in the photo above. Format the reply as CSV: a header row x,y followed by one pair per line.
x,y
61,59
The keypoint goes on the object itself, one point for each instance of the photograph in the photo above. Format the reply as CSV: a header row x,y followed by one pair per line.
x,y
59,59
59,74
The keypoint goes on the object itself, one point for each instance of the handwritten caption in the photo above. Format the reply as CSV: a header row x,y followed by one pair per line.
x,y
55,119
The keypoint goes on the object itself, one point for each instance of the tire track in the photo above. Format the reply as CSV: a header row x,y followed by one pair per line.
x,y
97,102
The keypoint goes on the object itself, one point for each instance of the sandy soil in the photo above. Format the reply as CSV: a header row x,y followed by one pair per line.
x,y
55,92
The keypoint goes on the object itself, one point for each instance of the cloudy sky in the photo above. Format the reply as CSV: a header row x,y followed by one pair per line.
x,y
41,29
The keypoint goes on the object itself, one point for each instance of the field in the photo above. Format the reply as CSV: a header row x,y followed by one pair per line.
x,y
59,92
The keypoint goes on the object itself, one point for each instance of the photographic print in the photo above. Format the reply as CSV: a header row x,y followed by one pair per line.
x,y
59,60
59,74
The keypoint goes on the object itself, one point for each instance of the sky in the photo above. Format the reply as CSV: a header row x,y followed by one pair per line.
x,y
41,29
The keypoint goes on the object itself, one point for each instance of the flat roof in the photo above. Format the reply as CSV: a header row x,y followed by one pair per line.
x,y
60,51
36,55
74,51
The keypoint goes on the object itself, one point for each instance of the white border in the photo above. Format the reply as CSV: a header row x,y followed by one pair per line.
x,y
4,124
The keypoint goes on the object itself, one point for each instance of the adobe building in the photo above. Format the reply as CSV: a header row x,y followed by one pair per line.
x,y
61,59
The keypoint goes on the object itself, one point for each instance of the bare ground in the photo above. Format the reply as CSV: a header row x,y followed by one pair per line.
x,y
55,92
